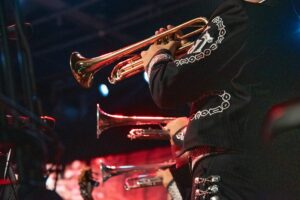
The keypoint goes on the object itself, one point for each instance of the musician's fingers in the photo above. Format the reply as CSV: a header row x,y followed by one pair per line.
x,y
170,26
162,30
158,32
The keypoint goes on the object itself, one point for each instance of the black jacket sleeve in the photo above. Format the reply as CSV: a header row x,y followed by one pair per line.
x,y
205,67
183,180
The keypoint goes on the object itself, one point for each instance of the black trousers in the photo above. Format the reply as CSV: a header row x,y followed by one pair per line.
x,y
224,177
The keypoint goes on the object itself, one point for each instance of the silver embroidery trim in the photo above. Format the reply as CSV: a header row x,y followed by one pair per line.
x,y
174,192
206,52
218,109
180,135
156,59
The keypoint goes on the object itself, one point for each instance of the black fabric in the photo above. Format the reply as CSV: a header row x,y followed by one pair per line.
x,y
177,137
242,179
236,178
245,62
209,5
183,179
249,63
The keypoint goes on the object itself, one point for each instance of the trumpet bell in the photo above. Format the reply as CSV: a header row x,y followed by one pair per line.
x,y
81,75
106,121
105,172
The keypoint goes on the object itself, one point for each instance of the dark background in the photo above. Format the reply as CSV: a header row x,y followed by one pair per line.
x,y
94,27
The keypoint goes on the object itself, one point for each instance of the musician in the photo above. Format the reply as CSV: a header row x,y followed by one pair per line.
x,y
230,78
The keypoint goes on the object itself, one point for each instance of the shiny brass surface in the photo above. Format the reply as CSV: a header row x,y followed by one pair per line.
x,y
110,171
141,181
84,69
106,121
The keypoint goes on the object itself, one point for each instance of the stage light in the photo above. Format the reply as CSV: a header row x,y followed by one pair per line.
x,y
298,26
146,77
296,10
103,89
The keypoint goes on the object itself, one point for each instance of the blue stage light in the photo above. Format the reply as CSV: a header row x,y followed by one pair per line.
x,y
296,10
146,77
103,89
298,26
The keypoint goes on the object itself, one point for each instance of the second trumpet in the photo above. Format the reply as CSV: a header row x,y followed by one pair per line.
x,y
106,121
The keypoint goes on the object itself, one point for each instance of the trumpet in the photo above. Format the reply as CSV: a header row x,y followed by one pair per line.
x,y
106,121
148,134
110,171
143,180
83,69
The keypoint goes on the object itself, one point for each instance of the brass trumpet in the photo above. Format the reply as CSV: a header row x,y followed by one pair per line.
x,y
84,69
106,121
111,171
142,180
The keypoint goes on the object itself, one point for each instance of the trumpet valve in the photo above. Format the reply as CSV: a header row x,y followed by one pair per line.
x,y
125,69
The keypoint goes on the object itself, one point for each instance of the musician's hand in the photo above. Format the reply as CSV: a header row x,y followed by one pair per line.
x,y
175,125
166,176
167,43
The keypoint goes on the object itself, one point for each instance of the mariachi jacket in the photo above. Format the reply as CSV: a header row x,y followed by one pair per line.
x,y
230,76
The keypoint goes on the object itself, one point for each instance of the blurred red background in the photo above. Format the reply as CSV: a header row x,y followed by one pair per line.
x,y
113,189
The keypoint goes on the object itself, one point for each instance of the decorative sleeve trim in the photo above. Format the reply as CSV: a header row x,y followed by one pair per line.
x,y
162,56
178,141
205,45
